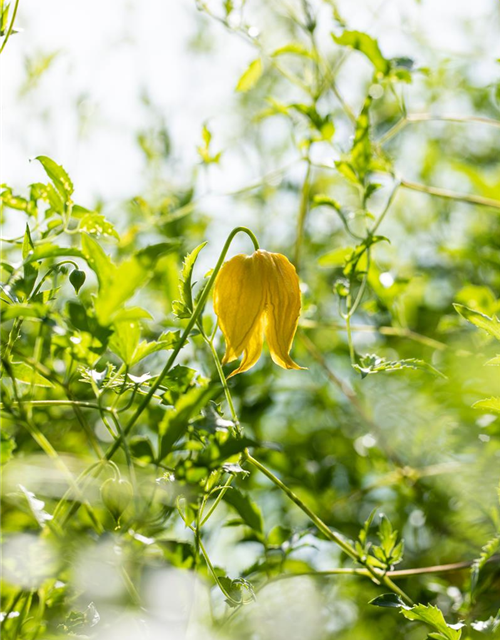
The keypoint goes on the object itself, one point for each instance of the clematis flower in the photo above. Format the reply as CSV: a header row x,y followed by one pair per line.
x,y
257,296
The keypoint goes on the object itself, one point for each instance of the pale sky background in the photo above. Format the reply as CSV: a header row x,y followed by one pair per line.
x,y
111,51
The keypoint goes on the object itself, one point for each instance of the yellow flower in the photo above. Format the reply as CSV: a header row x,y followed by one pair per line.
x,y
254,296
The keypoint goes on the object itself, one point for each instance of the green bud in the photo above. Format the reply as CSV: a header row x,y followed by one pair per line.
x,y
77,278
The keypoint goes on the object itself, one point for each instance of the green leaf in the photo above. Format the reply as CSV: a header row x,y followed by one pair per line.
x,y
488,404
487,552
176,421
96,224
167,341
117,284
367,45
434,617
29,271
97,260
246,508
387,600
24,373
125,340
371,363
296,49
124,282
50,250
183,308
58,176
335,258
490,325
250,77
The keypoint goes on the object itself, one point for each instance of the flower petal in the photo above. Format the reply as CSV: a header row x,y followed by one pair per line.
x,y
282,308
239,299
253,348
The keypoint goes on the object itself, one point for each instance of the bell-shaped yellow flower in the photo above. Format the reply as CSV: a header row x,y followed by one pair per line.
x,y
254,296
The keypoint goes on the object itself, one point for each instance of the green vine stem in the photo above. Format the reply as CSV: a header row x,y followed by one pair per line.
x,y
11,27
327,532
377,576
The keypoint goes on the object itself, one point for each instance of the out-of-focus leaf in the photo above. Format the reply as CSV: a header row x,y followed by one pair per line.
x,y
58,176
176,421
250,77
96,224
371,363
488,404
490,325
97,260
24,373
246,508
366,45
36,506
7,446
487,552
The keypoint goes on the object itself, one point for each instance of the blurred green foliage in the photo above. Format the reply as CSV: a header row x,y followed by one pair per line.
x,y
135,478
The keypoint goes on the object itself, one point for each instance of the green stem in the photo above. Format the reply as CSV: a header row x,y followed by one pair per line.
x,y
11,26
217,500
192,322
427,117
223,380
327,532
451,195
304,206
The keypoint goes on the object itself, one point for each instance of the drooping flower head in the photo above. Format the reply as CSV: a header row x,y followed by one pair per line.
x,y
257,296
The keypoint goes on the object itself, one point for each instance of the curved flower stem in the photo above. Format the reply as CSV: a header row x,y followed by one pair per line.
x,y
192,322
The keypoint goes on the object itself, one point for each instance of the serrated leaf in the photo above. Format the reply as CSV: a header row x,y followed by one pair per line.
x,y
371,364
183,308
58,176
488,404
490,325
165,342
250,77
434,617
487,552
